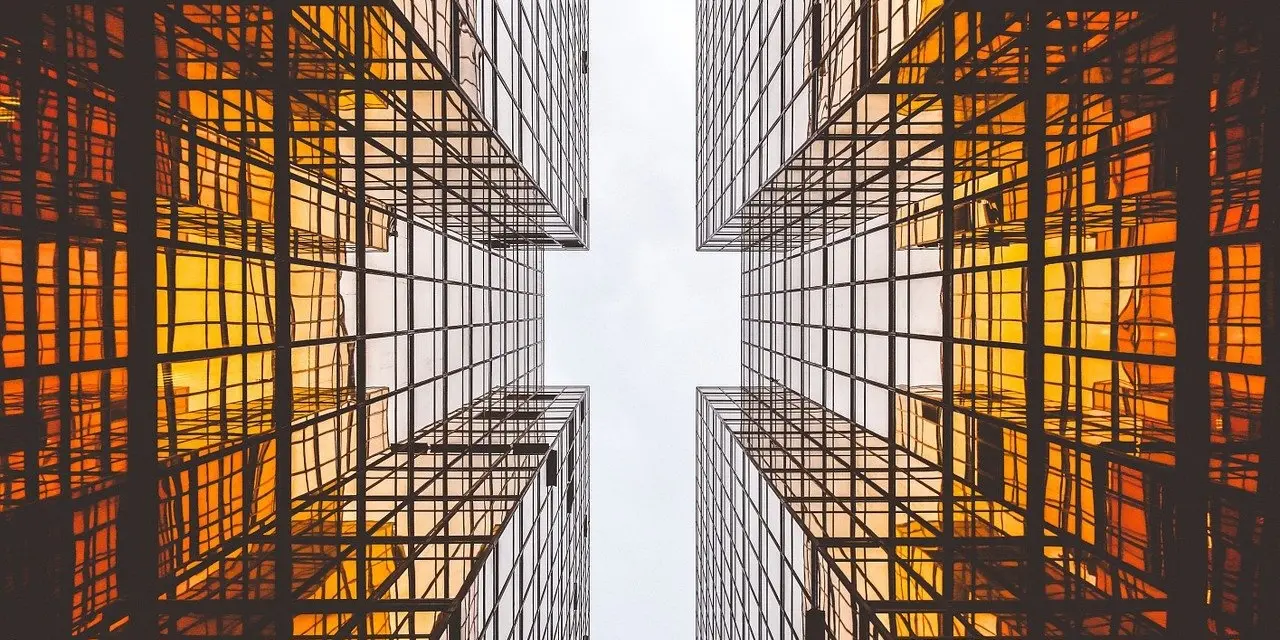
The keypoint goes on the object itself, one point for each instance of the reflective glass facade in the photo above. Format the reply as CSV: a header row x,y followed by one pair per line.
x,y
1014,265
271,295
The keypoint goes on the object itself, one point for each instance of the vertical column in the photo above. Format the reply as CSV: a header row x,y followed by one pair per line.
x,y
411,372
360,361
282,388
62,262
1188,555
1034,150
891,432
29,120
946,542
815,77
136,164
1269,449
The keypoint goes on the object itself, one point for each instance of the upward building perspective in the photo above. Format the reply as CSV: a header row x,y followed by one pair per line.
x,y
271,320
1009,335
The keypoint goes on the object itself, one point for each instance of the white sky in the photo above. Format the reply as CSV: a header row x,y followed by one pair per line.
x,y
642,318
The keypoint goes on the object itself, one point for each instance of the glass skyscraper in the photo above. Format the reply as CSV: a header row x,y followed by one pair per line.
x,y
1005,284
271,320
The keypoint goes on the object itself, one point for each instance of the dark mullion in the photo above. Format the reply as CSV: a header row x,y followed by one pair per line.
x,y
1035,153
947,139
361,348
893,222
411,322
282,387
1190,407
29,119
62,267
136,164
444,297
1269,447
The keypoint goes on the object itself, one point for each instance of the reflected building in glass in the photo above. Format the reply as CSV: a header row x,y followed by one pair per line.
x,y
271,320
1008,327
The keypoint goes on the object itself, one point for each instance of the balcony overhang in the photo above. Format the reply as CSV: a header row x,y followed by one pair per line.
x,y
410,120
881,148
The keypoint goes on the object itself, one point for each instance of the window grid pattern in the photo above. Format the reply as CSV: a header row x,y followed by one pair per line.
x,y
1030,276
341,254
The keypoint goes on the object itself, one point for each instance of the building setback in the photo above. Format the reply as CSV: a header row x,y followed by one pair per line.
x,y
1006,326
271,320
